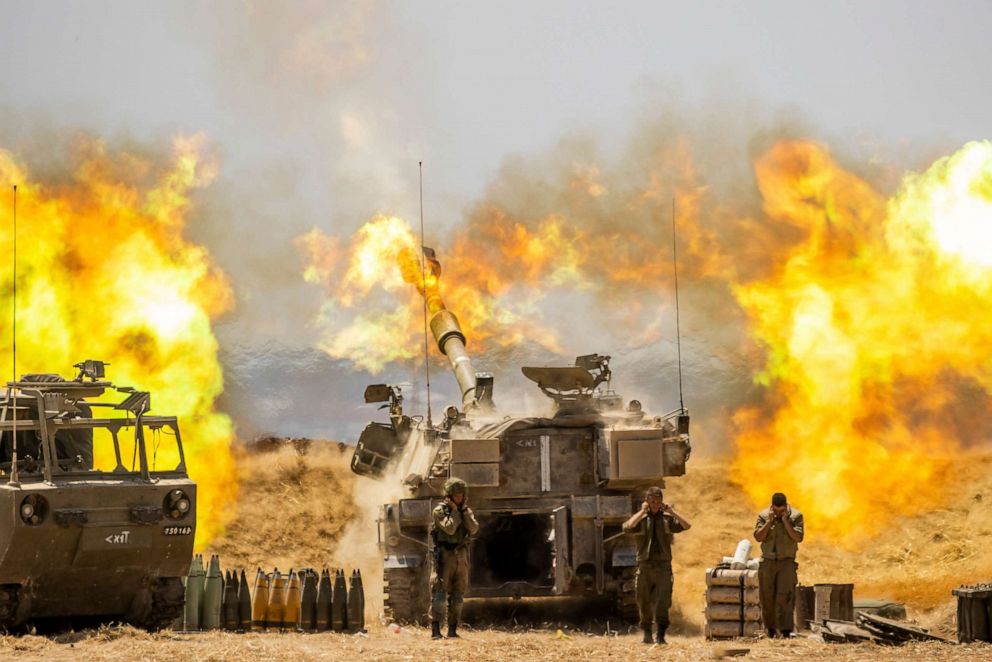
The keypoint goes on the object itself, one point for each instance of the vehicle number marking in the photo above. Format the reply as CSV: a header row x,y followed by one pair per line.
x,y
178,530
527,443
118,538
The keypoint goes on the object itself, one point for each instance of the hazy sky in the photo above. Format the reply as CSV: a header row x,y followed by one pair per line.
x,y
463,84
320,111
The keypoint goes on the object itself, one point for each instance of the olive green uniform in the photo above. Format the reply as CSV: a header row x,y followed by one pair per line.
x,y
777,573
449,580
654,567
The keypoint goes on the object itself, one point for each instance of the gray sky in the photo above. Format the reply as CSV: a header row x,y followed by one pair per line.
x,y
320,111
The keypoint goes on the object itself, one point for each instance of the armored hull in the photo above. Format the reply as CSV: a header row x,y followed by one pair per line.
x,y
550,496
94,524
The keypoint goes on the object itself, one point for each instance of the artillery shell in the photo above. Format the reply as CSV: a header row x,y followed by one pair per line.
x,y
194,595
213,593
230,606
244,603
291,615
325,598
339,603
308,602
277,601
356,603
261,601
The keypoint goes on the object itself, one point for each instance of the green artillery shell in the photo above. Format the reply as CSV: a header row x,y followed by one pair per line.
x,y
194,595
213,593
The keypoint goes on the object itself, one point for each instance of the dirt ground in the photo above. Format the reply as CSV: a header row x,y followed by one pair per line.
x,y
301,506
415,644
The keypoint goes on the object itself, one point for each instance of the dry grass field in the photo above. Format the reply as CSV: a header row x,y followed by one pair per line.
x,y
118,644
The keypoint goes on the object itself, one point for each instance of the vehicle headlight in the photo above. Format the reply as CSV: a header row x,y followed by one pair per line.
x,y
177,504
33,509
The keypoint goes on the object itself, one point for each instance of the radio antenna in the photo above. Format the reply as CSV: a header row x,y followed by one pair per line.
x,y
423,284
678,331
12,392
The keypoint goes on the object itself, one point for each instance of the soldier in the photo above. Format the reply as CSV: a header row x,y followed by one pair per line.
x,y
779,529
655,522
454,522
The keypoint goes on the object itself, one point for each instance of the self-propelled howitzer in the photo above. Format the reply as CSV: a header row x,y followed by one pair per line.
x,y
550,493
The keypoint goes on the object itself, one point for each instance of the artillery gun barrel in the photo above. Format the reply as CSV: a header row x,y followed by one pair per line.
x,y
451,342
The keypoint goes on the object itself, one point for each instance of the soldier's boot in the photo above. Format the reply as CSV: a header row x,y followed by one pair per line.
x,y
786,634
454,613
661,635
648,639
435,630
771,633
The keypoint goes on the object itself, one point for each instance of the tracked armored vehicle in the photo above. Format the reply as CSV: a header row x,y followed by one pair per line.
x,y
97,513
550,493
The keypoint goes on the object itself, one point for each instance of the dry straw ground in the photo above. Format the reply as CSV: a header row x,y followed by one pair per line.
x,y
307,509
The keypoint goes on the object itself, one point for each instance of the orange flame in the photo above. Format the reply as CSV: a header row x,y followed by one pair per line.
x,y
871,326
105,271
384,257
876,365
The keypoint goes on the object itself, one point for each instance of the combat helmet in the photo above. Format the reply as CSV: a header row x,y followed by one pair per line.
x,y
454,485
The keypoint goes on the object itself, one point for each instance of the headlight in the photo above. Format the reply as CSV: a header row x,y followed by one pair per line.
x,y
177,504
33,509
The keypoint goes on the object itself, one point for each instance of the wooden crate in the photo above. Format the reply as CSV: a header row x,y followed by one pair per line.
x,y
805,607
974,613
834,602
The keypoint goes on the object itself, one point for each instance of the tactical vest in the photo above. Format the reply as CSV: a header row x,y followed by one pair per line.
x,y
778,545
659,542
460,534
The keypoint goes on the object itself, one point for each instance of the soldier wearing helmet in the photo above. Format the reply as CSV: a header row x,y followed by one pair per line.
x,y
454,523
654,525
780,528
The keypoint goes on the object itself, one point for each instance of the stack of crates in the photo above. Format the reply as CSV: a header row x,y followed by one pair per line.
x,y
732,606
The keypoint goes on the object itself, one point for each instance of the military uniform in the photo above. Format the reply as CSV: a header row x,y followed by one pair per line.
x,y
777,572
654,568
449,580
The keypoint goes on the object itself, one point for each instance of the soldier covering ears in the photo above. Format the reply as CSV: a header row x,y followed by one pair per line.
x,y
454,523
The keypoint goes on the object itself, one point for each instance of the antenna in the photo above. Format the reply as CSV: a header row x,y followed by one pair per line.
x,y
11,392
678,331
423,284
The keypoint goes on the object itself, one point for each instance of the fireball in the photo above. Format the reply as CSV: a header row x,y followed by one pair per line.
x,y
104,271
872,328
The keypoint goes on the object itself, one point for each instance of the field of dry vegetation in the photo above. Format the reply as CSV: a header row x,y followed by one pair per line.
x,y
301,506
